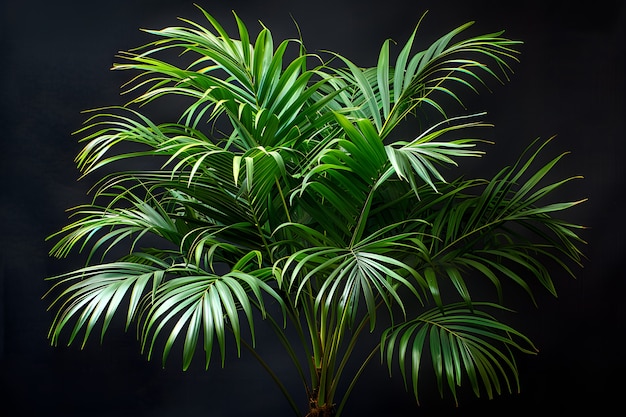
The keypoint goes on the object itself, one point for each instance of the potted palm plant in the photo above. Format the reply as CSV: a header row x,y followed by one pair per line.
x,y
280,192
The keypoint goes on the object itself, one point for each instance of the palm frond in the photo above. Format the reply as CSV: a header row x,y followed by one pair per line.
x,y
159,295
98,291
464,345
117,224
372,270
269,103
202,305
386,94
502,227
416,159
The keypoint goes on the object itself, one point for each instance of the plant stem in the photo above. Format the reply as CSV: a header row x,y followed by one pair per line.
x,y
273,375
355,379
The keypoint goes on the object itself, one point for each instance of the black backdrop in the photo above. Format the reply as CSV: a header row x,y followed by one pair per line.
x,y
55,61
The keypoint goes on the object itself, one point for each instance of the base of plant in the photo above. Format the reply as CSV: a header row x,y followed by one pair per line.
x,y
324,410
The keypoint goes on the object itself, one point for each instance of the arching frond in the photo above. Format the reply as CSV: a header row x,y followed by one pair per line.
x,y
203,306
464,346
502,228
387,94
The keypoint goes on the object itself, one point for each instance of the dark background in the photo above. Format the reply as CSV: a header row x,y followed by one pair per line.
x,y
55,58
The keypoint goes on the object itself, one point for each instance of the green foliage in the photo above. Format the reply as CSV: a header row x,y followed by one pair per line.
x,y
277,181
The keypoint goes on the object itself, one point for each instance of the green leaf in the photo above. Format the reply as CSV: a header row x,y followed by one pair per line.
x,y
383,78
458,341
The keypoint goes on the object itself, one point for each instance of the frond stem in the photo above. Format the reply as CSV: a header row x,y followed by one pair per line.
x,y
274,377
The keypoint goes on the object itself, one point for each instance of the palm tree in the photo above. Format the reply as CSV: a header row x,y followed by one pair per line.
x,y
277,192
